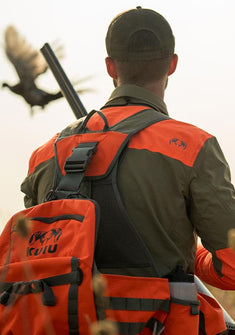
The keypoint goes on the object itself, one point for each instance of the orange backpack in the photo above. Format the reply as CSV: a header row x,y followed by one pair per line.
x,y
46,278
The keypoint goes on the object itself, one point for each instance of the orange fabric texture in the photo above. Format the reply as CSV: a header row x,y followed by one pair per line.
x,y
204,268
181,321
121,113
167,140
136,287
108,145
213,315
41,154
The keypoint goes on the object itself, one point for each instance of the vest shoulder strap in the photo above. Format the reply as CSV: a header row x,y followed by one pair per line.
x,y
94,153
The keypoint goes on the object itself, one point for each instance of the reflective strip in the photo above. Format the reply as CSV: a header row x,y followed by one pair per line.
x,y
183,291
138,304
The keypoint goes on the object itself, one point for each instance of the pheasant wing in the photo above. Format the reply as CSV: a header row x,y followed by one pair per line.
x,y
28,62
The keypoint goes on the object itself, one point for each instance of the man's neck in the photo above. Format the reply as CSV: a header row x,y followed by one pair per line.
x,y
157,88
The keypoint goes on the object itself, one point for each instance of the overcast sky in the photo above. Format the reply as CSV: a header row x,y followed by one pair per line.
x,y
200,92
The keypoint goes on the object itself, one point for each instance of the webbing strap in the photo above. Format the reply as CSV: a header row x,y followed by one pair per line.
x,y
135,328
130,328
34,286
73,310
75,168
73,303
42,285
139,304
202,326
194,305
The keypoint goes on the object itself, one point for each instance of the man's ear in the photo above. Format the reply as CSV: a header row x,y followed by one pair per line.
x,y
173,64
111,68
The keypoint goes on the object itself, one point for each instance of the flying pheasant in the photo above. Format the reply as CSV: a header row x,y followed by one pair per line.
x,y
29,64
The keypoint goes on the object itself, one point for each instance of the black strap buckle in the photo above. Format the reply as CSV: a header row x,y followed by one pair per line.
x,y
80,157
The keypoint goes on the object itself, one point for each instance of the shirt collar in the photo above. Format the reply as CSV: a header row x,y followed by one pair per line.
x,y
128,94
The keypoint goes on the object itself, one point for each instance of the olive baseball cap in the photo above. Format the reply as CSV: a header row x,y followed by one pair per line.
x,y
126,26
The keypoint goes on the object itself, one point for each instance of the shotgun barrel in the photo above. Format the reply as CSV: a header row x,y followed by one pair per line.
x,y
65,85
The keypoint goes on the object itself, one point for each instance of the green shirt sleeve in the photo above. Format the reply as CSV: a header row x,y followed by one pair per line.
x,y
212,205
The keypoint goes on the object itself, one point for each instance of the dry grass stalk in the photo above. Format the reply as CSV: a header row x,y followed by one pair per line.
x,y
231,239
104,327
22,226
99,285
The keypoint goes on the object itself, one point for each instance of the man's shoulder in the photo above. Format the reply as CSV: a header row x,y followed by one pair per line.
x,y
188,129
46,151
172,127
72,128
176,139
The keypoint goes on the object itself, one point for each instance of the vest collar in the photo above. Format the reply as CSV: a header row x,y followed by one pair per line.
x,y
128,94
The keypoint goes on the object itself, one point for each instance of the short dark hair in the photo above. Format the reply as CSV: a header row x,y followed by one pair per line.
x,y
141,72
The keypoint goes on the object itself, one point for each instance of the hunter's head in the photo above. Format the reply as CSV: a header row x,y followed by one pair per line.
x,y
140,47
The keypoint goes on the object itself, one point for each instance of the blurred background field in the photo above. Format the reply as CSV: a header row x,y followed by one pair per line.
x,y
225,298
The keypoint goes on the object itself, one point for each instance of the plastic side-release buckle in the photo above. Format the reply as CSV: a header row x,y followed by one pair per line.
x,y
80,157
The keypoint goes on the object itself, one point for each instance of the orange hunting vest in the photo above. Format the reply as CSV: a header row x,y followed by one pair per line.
x,y
139,305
